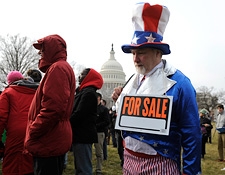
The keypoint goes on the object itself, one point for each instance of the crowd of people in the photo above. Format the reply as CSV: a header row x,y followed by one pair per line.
x,y
45,117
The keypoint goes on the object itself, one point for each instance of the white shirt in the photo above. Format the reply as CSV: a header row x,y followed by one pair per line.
x,y
134,144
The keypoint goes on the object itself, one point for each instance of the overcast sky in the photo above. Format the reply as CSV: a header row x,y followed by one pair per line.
x,y
195,32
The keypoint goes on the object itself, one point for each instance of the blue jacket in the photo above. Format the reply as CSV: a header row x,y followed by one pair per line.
x,y
185,129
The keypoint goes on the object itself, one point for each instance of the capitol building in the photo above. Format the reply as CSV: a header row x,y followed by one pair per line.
x,y
113,76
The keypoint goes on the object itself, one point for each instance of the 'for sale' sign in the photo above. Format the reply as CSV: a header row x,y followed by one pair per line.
x,y
147,114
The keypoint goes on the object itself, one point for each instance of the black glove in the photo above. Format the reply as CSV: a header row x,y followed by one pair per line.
x,y
2,149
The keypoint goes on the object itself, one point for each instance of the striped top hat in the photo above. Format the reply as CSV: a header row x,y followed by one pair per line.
x,y
149,25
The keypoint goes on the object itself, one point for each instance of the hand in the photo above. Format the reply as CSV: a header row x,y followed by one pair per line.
x,y
2,149
206,125
116,93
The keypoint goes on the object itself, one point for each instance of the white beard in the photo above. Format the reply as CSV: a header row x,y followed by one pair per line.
x,y
140,70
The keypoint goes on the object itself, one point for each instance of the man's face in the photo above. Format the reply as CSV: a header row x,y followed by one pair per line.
x,y
82,76
99,100
102,102
201,114
41,52
145,59
220,109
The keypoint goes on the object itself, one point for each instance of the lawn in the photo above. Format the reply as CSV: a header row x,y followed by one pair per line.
x,y
112,165
209,165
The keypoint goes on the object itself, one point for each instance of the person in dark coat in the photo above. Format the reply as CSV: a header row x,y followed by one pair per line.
x,y
83,120
102,123
107,134
205,127
112,115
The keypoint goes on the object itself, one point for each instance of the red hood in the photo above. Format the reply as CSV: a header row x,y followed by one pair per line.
x,y
93,78
23,89
53,48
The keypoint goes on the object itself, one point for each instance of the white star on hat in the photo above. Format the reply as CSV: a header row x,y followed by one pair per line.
x,y
134,40
165,151
150,38
155,144
141,138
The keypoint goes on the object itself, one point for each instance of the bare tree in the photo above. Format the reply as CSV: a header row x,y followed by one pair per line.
x,y
207,98
77,68
16,54
221,96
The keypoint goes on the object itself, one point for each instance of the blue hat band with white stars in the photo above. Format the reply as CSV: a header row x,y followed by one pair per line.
x,y
144,39
141,37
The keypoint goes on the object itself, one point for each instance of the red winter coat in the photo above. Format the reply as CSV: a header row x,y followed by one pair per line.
x,y
14,106
49,131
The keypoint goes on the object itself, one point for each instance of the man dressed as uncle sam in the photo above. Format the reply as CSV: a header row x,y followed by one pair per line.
x,y
157,108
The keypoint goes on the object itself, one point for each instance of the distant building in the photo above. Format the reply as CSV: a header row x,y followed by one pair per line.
x,y
113,76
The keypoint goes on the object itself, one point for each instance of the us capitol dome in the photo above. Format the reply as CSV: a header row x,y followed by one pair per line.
x,y
113,76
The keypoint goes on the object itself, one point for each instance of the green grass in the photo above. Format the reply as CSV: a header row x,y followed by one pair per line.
x,y
209,165
112,165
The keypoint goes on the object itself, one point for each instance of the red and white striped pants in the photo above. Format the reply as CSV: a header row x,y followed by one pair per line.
x,y
156,165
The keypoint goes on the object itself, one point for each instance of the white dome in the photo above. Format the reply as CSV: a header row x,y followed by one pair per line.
x,y
112,64
112,71
113,76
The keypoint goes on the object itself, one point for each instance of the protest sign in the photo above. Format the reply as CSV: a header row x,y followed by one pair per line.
x,y
143,113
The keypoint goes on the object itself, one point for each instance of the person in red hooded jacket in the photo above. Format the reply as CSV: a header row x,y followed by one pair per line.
x,y
15,101
83,120
49,134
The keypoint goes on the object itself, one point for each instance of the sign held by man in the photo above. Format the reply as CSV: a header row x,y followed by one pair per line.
x,y
147,114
